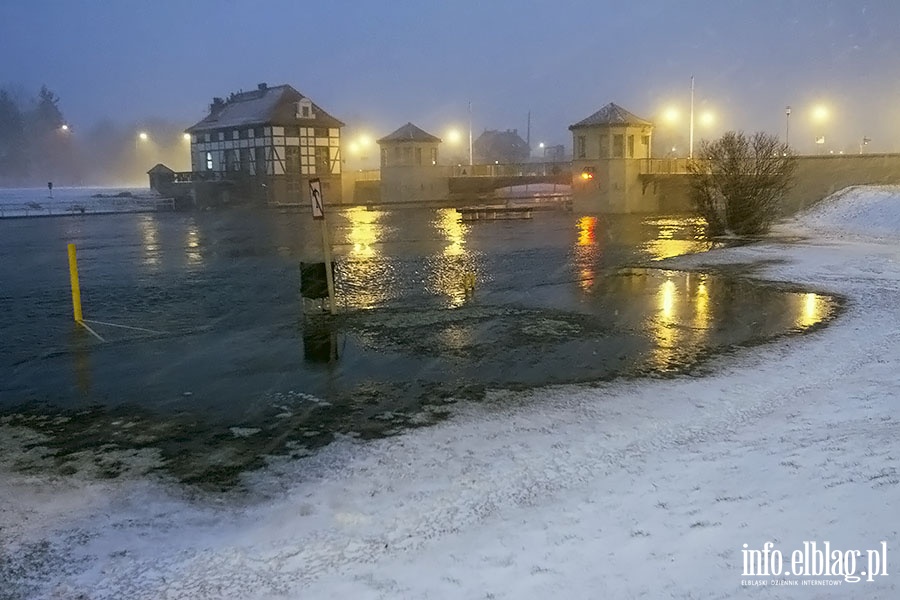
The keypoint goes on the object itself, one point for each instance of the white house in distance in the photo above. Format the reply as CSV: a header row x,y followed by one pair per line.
x,y
264,146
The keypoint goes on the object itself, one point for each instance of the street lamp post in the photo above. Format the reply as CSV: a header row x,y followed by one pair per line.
x,y
141,137
863,143
671,117
820,116
691,143
364,143
470,134
787,125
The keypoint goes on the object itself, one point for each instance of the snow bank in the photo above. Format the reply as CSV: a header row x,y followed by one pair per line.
x,y
645,489
857,211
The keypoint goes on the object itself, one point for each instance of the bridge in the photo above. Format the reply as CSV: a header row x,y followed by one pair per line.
x,y
656,182
484,179
468,180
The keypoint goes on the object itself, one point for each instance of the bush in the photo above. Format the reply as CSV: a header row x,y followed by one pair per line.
x,y
738,182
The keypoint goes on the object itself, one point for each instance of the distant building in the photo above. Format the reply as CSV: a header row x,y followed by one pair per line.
x,y
409,166
554,153
161,178
266,145
605,166
504,147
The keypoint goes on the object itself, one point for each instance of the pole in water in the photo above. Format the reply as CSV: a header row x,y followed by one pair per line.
x,y
329,274
76,288
318,212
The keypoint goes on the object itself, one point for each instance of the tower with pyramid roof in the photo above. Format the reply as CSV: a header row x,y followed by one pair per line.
x,y
608,148
409,166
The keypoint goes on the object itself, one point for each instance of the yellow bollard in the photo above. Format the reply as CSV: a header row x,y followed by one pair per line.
x,y
76,289
469,283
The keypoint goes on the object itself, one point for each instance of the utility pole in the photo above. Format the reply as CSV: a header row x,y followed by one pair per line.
x,y
470,133
318,213
691,143
787,125
528,134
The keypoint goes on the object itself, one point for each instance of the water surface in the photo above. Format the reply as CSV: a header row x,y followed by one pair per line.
x,y
242,366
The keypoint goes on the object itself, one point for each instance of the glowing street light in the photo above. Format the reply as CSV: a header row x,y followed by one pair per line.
x,y
707,118
671,115
186,137
454,136
671,118
141,137
820,114
358,146
363,142
64,127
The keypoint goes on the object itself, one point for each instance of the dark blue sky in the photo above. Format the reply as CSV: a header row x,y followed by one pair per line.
x,y
378,64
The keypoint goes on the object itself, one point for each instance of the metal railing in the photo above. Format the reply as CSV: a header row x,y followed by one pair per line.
x,y
665,166
192,176
511,169
364,175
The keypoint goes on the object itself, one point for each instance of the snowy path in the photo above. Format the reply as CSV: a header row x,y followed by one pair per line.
x,y
621,490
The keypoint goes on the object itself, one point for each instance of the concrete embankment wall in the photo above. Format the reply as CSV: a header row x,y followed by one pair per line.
x,y
664,193
820,176
816,178
625,189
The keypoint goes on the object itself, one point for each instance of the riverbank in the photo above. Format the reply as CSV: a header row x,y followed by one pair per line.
x,y
618,489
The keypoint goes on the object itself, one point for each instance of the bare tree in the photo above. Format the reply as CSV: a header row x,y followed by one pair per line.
x,y
738,182
13,157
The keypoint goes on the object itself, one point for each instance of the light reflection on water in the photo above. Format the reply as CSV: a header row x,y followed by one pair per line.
x,y
587,251
447,269
193,249
363,232
150,240
664,327
701,301
675,236
813,309
365,277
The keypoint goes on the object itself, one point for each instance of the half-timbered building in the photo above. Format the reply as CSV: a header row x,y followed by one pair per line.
x,y
265,145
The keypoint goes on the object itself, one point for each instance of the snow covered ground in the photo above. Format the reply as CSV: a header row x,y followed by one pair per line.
x,y
41,202
628,489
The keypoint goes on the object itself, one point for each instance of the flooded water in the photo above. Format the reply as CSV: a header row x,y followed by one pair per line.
x,y
237,365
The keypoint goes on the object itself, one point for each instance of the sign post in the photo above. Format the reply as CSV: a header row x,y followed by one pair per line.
x,y
318,212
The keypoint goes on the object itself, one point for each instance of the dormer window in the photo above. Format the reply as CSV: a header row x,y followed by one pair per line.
x,y
304,109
